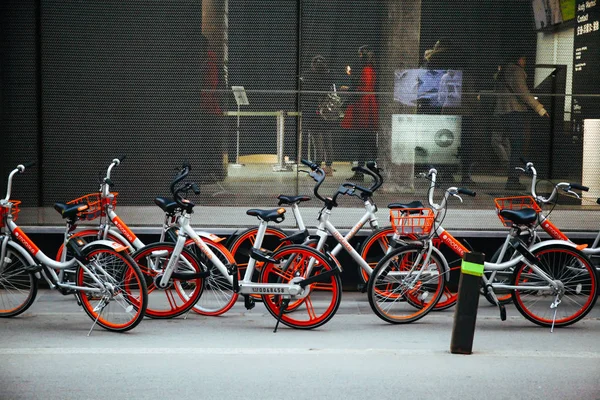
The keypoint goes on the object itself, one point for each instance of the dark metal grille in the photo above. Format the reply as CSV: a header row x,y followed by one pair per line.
x,y
339,82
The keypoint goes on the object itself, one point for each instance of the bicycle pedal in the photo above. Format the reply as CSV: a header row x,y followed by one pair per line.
x,y
32,269
296,238
249,302
67,292
502,312
261,255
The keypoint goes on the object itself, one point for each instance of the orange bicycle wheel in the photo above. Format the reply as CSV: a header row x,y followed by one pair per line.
x,y
180,294
320,300
402,288
121,306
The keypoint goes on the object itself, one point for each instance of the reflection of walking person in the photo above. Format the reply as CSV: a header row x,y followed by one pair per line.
x,y
361,119
318,84
512,104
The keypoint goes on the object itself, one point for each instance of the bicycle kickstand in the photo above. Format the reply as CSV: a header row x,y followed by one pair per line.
x,y
282,308
97,316
501,308
554,305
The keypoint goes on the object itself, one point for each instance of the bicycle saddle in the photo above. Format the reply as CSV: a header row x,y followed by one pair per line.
x,y
283,199
523,216
275,215
167,205
412,204
70,210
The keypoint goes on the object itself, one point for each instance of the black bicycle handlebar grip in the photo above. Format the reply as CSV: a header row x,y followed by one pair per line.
x,y
310,164
466,192
28,164
121,158
579,187
524,161
367,171
195,188
372,165
183,172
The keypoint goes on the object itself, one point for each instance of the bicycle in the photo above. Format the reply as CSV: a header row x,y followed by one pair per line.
x,y
546,276
529,232
295,274
543,220
108,284
429,289
275,238
209,295
372,250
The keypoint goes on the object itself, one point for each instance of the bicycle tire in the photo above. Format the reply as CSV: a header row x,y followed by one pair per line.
x,y
393,299
88,235
504,297
569,266
241,246
313,244
180,295
122,308
372,251
218,296
323,298
18,288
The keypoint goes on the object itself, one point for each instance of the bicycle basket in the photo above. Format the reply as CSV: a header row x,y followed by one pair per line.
x,y
412,221
515,203
14,211
95,205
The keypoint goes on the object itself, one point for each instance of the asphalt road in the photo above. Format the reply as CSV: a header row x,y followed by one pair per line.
x,y
46,354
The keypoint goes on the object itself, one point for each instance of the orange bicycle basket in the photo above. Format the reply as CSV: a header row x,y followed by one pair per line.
x,y
14,211
515,203
412,221
95,205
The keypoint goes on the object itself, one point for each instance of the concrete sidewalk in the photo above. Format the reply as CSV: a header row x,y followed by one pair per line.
x,y
47,354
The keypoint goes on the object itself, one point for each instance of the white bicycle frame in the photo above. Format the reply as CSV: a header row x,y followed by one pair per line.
x,y
29,250
246,286
122,232
325,226
543,220
489,266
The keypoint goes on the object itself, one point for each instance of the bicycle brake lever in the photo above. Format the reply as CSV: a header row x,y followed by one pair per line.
x,y
572,192
455,194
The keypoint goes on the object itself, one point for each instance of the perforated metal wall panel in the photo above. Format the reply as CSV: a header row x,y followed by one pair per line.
x,y
411,84
121,77
18,140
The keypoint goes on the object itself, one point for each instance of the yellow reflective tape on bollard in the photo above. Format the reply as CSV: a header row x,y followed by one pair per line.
x,y
471,268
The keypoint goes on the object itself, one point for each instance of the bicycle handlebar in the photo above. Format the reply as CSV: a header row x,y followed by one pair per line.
x,y
20,169
374,172
318,175
579,187
566,186
466,192
28,164
451,191
106,182
181,175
